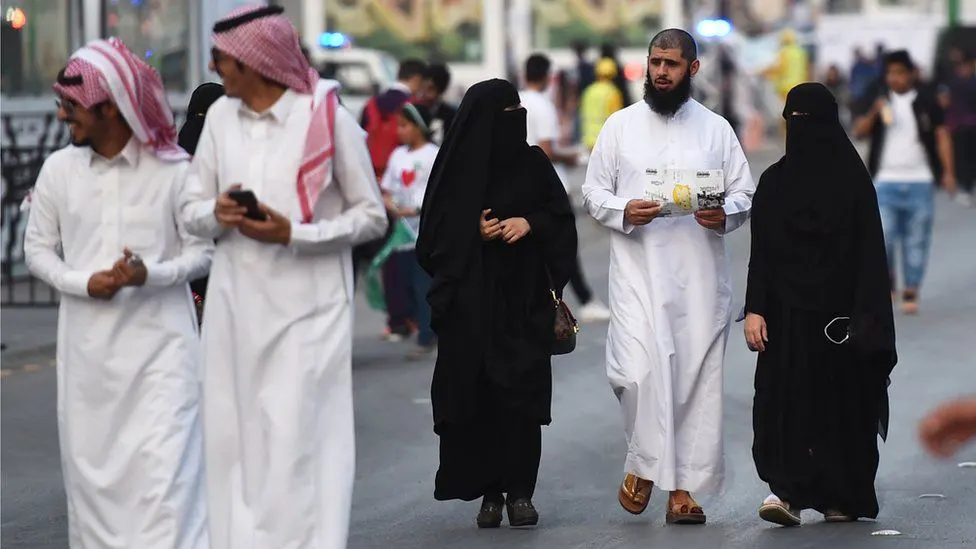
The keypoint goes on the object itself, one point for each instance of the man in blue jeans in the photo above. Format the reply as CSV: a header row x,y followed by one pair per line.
x,y
911,149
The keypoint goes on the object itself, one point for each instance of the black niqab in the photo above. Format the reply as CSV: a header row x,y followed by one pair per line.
x,y
484,138
196,113
464,150
819,165
817,226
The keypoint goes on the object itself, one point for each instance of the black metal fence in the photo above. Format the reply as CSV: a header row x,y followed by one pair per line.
x,y
28,141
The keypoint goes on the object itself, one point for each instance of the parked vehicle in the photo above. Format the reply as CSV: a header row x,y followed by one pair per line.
x,y
362,73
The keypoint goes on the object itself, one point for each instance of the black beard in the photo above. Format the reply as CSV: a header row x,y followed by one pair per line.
x,y
666,103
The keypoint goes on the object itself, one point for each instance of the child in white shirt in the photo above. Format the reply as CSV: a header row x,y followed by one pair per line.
x,y
404,184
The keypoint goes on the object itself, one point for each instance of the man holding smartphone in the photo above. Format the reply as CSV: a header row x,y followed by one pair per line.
x,y
105,231
277,332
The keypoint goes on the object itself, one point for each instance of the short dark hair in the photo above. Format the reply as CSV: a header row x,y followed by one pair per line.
x,y
411,68
901,57
537,68
609,50
675,39
580,46
439,75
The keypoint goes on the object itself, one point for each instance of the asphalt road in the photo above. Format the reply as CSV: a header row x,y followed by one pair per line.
x,y
584,447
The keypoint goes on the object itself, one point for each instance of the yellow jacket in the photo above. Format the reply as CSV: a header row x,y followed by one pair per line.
x,y
600,100
793,68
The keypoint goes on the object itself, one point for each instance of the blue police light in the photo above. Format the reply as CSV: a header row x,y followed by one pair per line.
x,y
333,40
714,28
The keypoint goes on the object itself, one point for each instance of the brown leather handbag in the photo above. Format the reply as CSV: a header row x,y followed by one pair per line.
x,y
565,327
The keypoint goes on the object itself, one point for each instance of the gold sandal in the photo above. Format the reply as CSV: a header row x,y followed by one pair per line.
x,y
682,513
635,494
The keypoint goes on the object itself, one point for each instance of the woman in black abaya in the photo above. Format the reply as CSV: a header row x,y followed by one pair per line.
x,y
496,234
819,312
196,114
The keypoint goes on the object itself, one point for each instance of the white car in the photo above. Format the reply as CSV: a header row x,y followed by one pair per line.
x,y
362,73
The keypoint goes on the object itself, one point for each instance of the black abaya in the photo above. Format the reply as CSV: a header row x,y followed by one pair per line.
x,y
818,254
490,301
196,114
815,416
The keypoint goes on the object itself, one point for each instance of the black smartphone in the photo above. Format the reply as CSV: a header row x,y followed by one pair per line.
x,y
249,201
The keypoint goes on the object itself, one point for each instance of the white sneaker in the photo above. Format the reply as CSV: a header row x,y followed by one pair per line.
x,y
964,199
594,311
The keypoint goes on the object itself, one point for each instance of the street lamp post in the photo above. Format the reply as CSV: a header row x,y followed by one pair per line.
x,y
953,6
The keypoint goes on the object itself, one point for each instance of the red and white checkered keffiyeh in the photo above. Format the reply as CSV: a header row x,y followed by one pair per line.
x,y
109,71
269,45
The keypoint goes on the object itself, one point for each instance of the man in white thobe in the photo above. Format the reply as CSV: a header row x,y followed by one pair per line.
x,y
277,331
105,231
670,290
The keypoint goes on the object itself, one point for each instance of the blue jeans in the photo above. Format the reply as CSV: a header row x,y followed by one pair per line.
x,y
418,284
907,210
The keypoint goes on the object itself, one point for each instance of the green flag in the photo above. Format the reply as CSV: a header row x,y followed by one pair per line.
x,y
403,237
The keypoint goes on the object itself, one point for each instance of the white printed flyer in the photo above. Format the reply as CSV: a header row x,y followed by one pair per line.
x,y
684,192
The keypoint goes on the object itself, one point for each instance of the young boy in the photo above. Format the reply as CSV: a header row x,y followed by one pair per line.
x,y
404,184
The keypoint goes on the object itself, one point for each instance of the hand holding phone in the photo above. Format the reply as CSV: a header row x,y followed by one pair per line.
x,y
246,199
227,211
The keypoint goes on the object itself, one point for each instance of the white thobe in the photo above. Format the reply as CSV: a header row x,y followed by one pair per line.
x,y
670,291
277,331
128,368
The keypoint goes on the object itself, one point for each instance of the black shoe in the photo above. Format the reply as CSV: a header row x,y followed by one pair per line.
x,y
521,512
490,515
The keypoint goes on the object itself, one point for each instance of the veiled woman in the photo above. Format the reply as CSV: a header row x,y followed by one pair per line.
x,y
496,235
202,98
819,312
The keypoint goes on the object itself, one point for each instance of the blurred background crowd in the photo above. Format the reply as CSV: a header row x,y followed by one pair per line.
x,y
752,52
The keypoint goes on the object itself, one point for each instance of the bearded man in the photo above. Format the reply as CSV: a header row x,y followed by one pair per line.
x,y
277,331
670,289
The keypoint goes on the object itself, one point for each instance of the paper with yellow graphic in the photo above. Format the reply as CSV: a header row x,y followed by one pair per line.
x,y
684,192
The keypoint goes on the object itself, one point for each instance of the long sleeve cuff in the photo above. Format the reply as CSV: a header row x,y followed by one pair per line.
x,y
735,217
619,205
303,236
611,214
755,305
755,294
160,274
76,282
202,222
538,222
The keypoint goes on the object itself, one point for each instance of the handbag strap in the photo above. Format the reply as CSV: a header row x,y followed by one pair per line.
x,y
552,286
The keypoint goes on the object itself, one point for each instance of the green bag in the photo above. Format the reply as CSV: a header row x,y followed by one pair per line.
x,y
402,238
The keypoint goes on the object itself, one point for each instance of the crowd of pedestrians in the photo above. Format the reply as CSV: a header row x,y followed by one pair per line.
x,y
239,432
